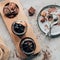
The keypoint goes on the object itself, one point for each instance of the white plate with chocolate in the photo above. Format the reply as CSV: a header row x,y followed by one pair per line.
x,y
49,20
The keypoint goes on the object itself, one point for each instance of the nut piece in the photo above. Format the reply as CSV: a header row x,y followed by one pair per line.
x,y
31,11
10,10
43,13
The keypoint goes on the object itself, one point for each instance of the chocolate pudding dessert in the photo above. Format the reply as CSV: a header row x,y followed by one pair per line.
x,y
19,27
10,10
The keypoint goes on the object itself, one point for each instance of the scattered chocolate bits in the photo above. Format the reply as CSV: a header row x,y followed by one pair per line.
x,y
31,11
10,10
52,9
46,55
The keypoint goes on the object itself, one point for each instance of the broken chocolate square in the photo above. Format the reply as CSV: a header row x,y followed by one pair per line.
x,y
31,11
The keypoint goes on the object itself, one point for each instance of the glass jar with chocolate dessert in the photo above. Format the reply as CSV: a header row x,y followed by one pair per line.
x,y
19,27
10,10
28,46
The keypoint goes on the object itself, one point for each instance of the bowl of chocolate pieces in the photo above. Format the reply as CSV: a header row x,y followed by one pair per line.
x,y
48,20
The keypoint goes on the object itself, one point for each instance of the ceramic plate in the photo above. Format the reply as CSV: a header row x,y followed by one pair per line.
x,y
49,20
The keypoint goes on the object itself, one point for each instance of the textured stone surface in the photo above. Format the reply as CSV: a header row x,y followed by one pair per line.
x,y
52,45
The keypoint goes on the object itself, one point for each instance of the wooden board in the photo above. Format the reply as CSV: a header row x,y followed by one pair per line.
x,y
20,16
5,49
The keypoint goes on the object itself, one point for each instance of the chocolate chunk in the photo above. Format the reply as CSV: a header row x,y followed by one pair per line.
x,y
43,19
46,55
50,17
52,9
31,11
10,10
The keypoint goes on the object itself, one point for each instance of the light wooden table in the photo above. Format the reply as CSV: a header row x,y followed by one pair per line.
x,y
52,45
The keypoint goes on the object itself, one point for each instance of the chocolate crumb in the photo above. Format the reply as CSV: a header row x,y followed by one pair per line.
x,y
11,10
31,11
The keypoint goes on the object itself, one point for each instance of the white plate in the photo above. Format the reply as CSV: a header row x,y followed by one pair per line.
x,y
55,30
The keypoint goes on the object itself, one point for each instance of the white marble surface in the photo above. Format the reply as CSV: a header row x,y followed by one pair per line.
x,y
53,45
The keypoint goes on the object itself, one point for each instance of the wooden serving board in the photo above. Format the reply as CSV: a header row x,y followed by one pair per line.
x,y
20,16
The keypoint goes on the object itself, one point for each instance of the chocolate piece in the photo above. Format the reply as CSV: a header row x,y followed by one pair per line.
x,y
52,9
46,55
31,11
27,45
50,17
19,28
43,19
10,10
